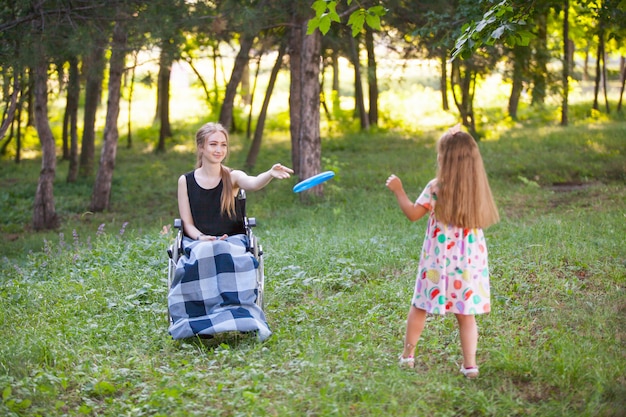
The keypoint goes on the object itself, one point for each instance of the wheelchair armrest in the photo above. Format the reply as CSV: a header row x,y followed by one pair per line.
x,y
178,224
250,221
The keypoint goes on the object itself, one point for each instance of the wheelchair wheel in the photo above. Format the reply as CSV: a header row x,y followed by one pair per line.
x,y
173,252
257,251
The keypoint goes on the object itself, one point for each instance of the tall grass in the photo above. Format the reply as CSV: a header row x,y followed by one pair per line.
x,y
84,328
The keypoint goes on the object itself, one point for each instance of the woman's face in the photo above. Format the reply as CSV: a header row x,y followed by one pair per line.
x,y
215,147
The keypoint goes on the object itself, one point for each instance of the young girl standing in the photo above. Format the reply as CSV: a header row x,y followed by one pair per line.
x,y
453,271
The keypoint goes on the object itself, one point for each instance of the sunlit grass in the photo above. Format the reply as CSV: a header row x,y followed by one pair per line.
x,y
84,329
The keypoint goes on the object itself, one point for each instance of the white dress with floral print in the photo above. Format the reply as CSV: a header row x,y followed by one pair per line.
x,y
453,269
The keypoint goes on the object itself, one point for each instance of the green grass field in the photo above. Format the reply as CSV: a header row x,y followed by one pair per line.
x,y
84,328
83,319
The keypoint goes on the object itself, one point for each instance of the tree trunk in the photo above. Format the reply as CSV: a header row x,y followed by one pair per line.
x,y
252,93
65,129
566,46
604,78
44,214
8,120
323,101
359,100
335,89
622,71
464,76
216,91
542,56
18,134
102,188
30,100
255,147
596,86
203,83
165,71
226,112
520,62
586,64
93,66
372,80
73,94
246,90
304,102
131,92
443,79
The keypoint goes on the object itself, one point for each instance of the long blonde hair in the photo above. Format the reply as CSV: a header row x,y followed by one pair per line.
x,y
464,198
227,202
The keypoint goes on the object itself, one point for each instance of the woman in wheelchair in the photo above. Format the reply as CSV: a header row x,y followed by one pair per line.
x,y
214,286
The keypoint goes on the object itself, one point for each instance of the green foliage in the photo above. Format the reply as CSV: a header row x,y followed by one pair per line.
x,y
501,23
84,327
326,13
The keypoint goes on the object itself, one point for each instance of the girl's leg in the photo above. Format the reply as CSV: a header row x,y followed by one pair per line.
x,y
469,339
414,325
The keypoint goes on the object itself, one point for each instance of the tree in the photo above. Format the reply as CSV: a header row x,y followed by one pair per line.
x,y
93,70
566,45
359,96
12,106
372,80
165,21
520,58
44,213
304,99
258,132
241,62
71,120
166,59
102,188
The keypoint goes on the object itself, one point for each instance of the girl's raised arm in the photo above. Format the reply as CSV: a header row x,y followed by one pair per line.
x,y
411,210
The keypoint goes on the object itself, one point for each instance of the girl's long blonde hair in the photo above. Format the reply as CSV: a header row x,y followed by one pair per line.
x,y
227,202
464,198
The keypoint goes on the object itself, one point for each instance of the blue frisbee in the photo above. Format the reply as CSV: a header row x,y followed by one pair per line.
x,y
313,181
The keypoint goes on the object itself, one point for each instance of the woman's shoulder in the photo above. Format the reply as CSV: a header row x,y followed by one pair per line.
x,y
236,173
185,176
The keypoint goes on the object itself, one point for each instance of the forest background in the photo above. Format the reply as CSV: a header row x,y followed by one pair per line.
x,y
83,321
88,46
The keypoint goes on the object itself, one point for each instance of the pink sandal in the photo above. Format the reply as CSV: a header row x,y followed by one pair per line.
x,y
470,373
406,362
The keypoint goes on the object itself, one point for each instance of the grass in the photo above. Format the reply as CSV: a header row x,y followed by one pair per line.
x,y
84,328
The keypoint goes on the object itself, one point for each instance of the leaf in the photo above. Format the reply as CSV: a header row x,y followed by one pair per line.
x,y
525,37
320,7
377,10
104,388
324,24
6,393
356,21
312,25
332,12
497,34
373,21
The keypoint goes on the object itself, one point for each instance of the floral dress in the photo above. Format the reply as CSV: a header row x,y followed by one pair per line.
x,y
453,269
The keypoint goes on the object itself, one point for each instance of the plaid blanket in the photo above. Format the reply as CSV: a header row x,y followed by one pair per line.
x,y
214,290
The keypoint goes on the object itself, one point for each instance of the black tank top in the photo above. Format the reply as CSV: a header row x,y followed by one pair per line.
x,y
206,210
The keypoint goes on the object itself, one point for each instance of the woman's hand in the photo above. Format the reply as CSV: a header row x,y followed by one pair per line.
x,y
394,183
208,238
242,180
280,171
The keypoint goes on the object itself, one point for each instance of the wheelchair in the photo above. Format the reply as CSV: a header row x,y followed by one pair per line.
x,y
177,250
